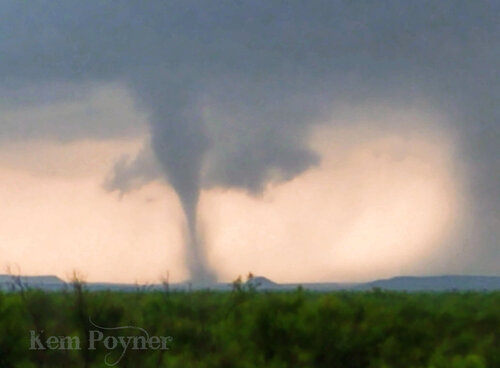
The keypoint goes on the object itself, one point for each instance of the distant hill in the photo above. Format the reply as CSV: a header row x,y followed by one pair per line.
x,y
262,282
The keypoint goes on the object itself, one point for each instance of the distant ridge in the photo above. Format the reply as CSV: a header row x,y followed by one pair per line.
x,y
43,279
399,283
438,283
45,282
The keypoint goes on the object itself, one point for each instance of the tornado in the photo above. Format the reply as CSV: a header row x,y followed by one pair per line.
x,y
179,143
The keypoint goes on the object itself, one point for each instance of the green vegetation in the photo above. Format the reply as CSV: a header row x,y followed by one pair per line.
x,y
246,328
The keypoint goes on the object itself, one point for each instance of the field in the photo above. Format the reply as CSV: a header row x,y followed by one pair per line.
x,y
247,328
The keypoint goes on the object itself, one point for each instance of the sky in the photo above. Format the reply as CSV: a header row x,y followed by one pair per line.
x,y
303,141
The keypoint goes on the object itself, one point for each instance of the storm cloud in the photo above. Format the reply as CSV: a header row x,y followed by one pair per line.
x,y
231,90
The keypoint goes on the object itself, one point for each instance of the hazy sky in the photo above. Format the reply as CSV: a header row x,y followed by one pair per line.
x,y
318,140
